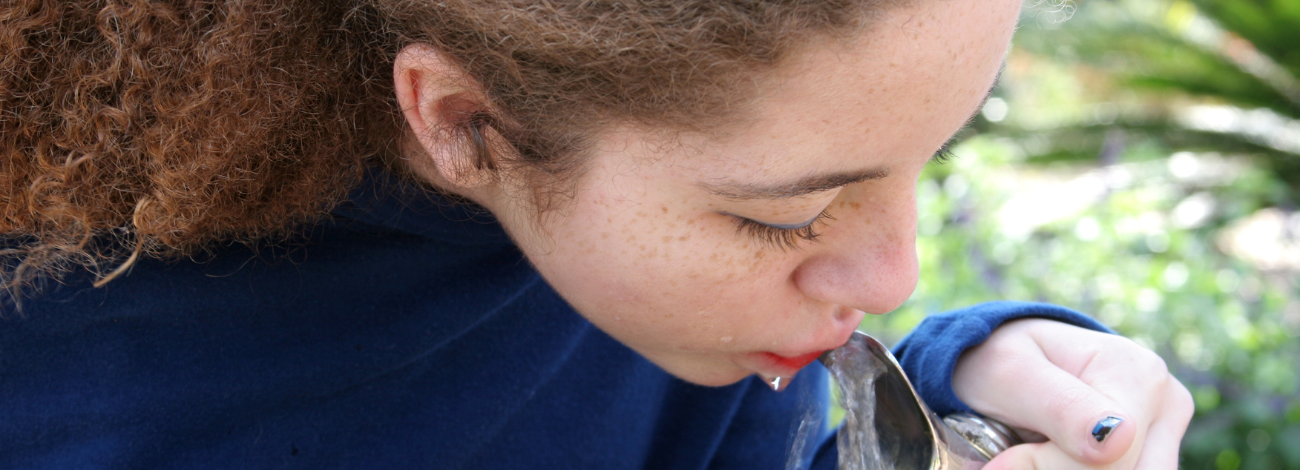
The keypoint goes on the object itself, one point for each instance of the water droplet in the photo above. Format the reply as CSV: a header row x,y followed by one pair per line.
x,y
775,382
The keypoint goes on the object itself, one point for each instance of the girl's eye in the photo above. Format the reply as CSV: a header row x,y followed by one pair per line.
x,y
944,155
783,237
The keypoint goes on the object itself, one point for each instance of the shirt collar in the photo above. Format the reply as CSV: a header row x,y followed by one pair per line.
x,y
388,201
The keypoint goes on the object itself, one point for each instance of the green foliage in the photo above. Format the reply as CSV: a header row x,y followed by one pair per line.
x,y
1105,241
1097,191
1147,61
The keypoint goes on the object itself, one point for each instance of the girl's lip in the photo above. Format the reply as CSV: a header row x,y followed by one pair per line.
x,y
785,365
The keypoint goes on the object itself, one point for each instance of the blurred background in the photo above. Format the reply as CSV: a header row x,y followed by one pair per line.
x,y
1140,162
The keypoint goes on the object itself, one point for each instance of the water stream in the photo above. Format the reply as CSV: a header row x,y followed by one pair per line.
x,y
855,374
858,444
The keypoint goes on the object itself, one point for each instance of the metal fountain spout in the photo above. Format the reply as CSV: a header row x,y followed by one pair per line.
x,y
888,427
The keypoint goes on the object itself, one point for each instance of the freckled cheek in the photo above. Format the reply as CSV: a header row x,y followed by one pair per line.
x,y
647,263
708,248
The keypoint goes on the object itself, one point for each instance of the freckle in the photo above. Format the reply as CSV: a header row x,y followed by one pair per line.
x,y
604,234
684,238
855,205
690,221
725,339
668,238
665,209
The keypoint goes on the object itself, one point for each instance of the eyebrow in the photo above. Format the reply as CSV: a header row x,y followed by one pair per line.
x,y
805,186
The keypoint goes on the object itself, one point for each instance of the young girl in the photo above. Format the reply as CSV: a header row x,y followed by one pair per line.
x,y
441,234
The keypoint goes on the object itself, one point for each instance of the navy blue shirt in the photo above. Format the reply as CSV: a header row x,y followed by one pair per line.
x,y
405,332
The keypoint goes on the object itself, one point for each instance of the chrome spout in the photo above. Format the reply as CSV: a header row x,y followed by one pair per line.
x,y
888,427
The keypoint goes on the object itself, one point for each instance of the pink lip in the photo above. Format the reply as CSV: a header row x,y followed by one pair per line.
x,y
770,363
777,364
795,362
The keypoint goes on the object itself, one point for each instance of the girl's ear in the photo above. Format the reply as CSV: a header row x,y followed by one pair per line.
x,y
446,113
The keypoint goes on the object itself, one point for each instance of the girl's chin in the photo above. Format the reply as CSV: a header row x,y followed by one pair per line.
x,y
717,376
767,366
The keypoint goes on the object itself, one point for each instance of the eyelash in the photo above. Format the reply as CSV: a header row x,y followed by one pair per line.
x,y
788,238
944,154
783,238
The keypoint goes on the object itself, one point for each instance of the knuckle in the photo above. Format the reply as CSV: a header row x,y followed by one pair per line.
x,y
1067,402
1001,347
1151,373
1154,363
1181,401
1146,363
1020,457
1042,460
1002,358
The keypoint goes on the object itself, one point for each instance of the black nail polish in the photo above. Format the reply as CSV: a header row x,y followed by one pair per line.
x,y
1105,426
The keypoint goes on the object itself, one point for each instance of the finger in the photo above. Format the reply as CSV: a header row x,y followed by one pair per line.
x,y
1047,456
1163,438
1021,457
1056,403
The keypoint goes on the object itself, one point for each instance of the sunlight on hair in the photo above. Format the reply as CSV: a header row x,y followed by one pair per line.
x,y
1051,13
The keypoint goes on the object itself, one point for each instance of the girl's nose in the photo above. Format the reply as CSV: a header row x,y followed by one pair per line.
x,y
866,257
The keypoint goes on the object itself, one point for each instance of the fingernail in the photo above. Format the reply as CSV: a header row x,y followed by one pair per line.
x,y
1103,428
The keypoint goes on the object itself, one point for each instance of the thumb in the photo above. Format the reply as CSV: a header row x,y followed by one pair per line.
x,y
1081,422
1041,456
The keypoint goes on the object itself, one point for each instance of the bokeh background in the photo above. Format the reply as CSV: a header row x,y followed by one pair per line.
x,y
1140,161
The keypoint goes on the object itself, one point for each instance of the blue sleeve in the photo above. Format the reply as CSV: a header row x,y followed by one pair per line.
x,y
929,353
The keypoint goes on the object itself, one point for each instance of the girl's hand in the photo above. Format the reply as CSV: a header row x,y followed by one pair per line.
x,y
1060,381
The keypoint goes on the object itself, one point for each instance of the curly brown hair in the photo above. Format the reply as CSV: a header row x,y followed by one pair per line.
x,y
156,127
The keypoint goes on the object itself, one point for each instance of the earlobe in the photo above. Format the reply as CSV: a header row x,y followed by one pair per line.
x,y
441,104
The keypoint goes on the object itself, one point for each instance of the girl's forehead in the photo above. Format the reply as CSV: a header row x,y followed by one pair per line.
x,y
896,92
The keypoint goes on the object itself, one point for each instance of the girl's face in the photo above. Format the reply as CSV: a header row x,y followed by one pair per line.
x,y
721,257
